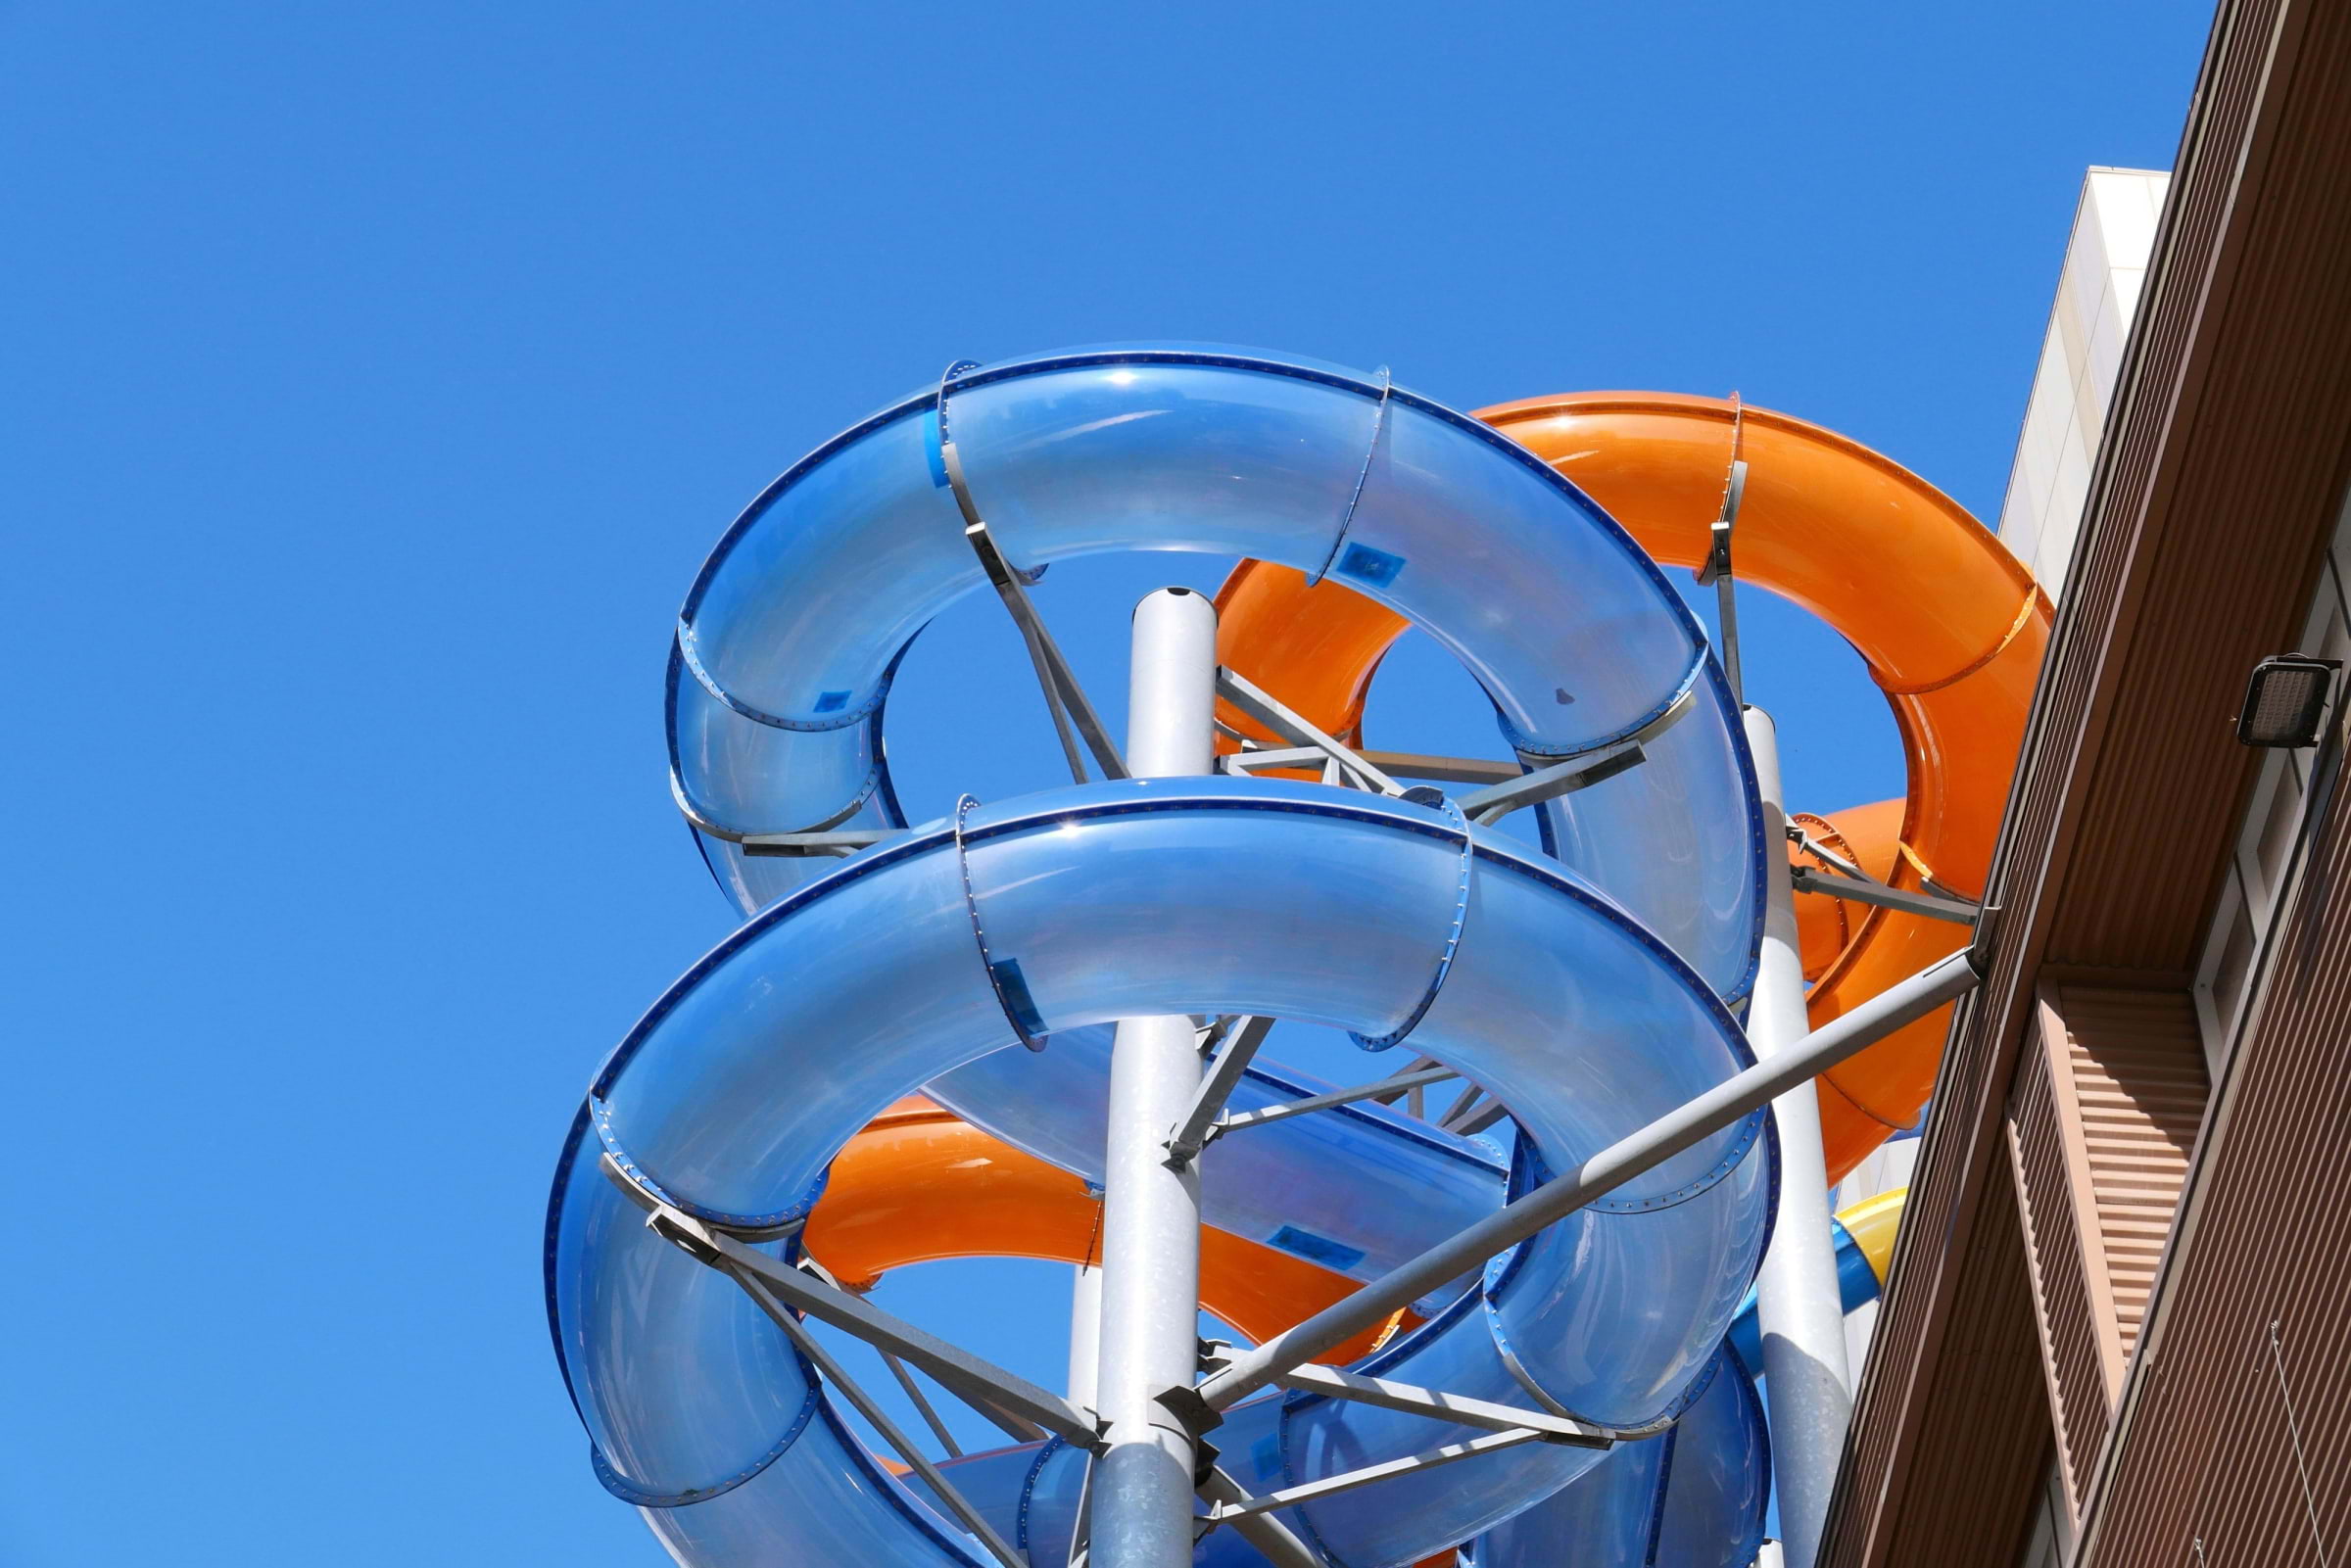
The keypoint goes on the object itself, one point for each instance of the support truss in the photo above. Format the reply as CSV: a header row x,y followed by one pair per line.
x,y
1276,716
987,1385
1711,1112
839,841
1868,890
1402,1082
1328,1485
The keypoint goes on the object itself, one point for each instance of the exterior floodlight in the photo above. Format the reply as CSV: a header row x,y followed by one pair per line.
x,y
2285,702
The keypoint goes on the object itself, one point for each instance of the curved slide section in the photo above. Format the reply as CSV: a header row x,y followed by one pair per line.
x,y
1694,1497
920,1184
733,1096
1951,627
1358,1189
786,644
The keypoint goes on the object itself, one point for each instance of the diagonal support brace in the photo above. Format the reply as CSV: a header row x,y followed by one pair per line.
x,y
1428,1459
1199,1125
840,841
1439,1406
1276,716
1712,1111
1716,568
1398,1083
1885,896
969,1377
1497,801
833,1372
1065,698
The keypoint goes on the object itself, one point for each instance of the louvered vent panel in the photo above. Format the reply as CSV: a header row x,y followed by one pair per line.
x,y
2137,1065
2073,1357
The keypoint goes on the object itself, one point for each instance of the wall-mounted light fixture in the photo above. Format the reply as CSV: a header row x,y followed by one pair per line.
x,y
2285,700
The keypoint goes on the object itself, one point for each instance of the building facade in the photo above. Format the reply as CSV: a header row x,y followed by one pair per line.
x,y
2119,1325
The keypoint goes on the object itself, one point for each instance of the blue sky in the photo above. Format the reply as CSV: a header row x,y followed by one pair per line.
x,y
378,376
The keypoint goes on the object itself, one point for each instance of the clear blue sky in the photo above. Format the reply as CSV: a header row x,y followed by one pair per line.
x,y
378,375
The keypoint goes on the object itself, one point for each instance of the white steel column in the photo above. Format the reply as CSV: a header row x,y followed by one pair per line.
x,y
1143,1491
1085,1332
1798,1307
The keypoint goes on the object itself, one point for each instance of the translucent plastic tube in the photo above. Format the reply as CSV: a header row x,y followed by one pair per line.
x,y
1358,1188
1693,1497
1195,896
787,642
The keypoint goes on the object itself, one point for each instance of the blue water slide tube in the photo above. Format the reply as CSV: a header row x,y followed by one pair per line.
x,y
1286,900
1358,1188
786,644
1693,1497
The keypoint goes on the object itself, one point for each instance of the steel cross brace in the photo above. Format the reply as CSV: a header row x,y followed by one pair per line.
x,y
1440,1406
1660,1140
1287,1108
1497,801
1716,569
839,841
1476,1120
1273,1539
1867,891
1065,698
832,1372
1200,1123
1270,711
1428,1459
1398,764
981,1383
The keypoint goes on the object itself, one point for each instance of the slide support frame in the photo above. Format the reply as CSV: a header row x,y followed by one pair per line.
x,y
1809,1383
1146,1474
1602,1173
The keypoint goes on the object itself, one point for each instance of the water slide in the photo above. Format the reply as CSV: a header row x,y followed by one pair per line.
x,y
1951,627
920,1184
1588,988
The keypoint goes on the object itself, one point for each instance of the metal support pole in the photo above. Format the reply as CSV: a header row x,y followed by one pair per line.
x,y
1085,1332
1143,1480
1806,1382
1902,1003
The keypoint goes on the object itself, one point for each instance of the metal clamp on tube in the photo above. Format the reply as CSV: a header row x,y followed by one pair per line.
x,y
1065,698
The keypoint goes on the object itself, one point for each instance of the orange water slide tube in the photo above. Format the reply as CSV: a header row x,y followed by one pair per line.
x,y
1951,627
919,1183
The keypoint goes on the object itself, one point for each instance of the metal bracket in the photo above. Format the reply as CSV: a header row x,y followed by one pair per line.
x,y
1003,975
1202,1123
1428,1459
1580,771
1397,1084
1362,476
1313,1378
1274,1540
783,1290
1065,698
704,824
1270,711
833,1372
1716,568
839,842
1869,891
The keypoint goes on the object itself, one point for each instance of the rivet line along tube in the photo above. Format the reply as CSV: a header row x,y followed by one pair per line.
x,y
1651,1146
1798,1304
1143,1488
